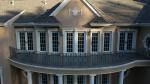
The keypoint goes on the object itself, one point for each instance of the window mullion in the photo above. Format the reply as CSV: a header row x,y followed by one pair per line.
x,y
126,39
26,40
75,42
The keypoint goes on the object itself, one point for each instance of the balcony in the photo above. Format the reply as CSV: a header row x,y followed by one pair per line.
x,y
64,60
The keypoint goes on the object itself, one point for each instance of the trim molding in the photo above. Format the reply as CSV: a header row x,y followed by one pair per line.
x,y
102,70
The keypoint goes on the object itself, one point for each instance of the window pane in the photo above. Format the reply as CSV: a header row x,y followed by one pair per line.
x,y
55,79
94,42
30,40
122,41
97,79
129,40
42,41
105,79
69,79
107,38
44,79
22,41
69,42
80,42
81,79
55,41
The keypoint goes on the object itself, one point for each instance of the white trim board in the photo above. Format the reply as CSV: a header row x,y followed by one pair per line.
x,y
65,2
60,7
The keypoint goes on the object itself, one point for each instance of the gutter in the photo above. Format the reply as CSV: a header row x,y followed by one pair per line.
x,y
119,24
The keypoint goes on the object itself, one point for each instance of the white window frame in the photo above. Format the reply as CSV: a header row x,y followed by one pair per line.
x,y
18,39
84,79
52,41
69,80
133,40
84,41
38,40
99,41
111,41
40,78
73,43
99,77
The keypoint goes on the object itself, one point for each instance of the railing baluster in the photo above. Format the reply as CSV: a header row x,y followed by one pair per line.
x,y
76,60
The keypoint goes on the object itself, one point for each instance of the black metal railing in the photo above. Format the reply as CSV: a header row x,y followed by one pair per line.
x,y
64,60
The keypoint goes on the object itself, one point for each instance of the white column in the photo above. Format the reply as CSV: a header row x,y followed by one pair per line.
x,y
51,79
18,39
64,42
121,77
50,41
75,79
99,42
37,40
92,76
86,42
29,77
75,42
60,79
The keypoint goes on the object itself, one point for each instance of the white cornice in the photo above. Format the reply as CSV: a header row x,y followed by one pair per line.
x,y
13,19
60,7
91,7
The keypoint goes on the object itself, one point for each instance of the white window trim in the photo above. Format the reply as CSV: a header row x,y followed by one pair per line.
x,y
85,41
109,78
65,40
38,41
111,41
144,41
99,41
18,38
75,41
133,42
40,78
50,41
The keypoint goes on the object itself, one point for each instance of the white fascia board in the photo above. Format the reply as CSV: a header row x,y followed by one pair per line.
x,y
60,7
90,6
13,19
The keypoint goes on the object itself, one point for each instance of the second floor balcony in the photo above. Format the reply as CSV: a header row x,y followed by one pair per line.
x,y
76,60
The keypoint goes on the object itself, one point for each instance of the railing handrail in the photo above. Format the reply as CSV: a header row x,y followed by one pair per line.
x,y
74,59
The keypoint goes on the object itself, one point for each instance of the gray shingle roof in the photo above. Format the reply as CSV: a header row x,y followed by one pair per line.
x,y
122,11
35,18
8,15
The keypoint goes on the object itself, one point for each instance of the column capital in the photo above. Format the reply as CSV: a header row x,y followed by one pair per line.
x,y
124,70
92,74
59,75
28,71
